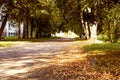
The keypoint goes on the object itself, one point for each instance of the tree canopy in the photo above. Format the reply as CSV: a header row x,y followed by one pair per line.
x,y
87,13
41,18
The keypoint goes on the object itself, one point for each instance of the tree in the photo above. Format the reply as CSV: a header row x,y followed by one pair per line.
x,y
92,14
82,13
21,11
111,29
4,15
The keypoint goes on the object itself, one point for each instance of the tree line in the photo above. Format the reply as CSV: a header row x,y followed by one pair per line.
x,y
82,15
36,16
41,18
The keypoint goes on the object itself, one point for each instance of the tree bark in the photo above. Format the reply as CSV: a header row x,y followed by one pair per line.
x,y
19,31
24,31
3,25
108,34
88,33
27,28
93,30
32,25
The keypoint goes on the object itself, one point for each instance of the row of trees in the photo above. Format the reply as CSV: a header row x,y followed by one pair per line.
x,y
41,18
37,16
83,15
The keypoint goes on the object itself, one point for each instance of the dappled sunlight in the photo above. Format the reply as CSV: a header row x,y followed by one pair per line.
x,y
97,52
20,64
98,41
70,69
69,57
107,63
24,61
12,67
15,71
56,62
75,51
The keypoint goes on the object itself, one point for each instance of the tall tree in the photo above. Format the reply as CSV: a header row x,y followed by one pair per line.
x,y
21,10
79,12
5,14
91,15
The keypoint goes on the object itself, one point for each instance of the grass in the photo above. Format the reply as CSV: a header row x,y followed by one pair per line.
x,y
10,38
104,46
30,39
14,41
107,65
106,57
4,44
11,43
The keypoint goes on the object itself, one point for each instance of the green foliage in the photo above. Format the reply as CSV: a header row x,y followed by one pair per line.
x,y
70,11
101,37
110,21
51,16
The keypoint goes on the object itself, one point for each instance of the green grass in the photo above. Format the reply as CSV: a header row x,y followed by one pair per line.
x,y
106,57
11,43
2,44
103,46
10,38
31,40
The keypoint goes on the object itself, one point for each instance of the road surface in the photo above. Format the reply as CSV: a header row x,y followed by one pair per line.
x,y
23,58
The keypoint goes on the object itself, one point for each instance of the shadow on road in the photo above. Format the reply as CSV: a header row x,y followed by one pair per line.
x,y
19,61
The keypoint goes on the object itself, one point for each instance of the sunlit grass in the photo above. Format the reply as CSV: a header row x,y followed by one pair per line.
x,y
103,46
11,43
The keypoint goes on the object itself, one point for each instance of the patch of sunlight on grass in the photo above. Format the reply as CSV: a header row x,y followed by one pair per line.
x,y
10,43
98,41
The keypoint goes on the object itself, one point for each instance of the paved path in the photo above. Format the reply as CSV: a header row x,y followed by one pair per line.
x,y
22,58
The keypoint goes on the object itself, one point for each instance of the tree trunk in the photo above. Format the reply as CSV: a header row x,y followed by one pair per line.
x,y
32,25
88,33
115,36
108,34
27,28
19,31
93,30
83,26
24,31
3,25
